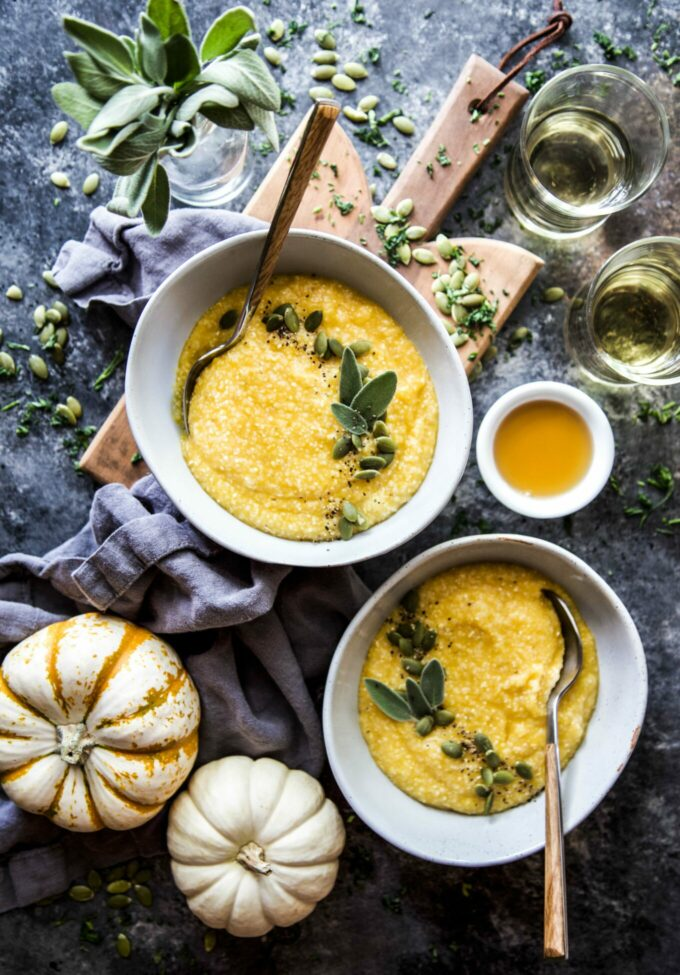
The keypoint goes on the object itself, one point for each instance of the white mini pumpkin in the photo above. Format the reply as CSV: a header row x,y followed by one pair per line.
x,y
253,844
98,723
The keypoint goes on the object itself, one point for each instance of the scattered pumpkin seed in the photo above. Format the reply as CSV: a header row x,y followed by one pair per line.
x,y
121,886
313,320
123,945
357,441
341,447
423,256
482,791
273,56
81,893
487,777
60,180
443,302
411,666
460,338
382,214
74,406
91,184
323,72
385,160
62,410
346,529
393,637
372,463
442,717
385,445
424,725
7,363
460,313
119,900
360,347
94,878
550,295
488,804
14,293
291,320
368,102
380,429
404,124
336,347
392,230
453,749
355,70
58,354
354,114
482,743
58,132
276,29
349,511
61,337
274,322
472,301
143,876
405,646
115,873
503,777
343,82
46,334
324,39
38,366
524,770
320,91
520,334
229,319
62,309
491,758
365,475
50,279
53,315
471,281
39,316
459,262
404,208
325,57
143,895
444,246
415,232
209,941
429,640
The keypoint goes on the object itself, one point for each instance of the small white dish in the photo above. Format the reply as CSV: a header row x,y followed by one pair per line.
x,y
477,841
164,327
554,505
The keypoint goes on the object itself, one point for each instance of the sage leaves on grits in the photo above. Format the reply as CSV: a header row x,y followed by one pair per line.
x,y
373,399
432,683
417,701
139,98
349,418
390,702
350,377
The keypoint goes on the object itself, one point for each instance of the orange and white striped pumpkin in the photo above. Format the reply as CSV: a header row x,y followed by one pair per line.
x,y
98,723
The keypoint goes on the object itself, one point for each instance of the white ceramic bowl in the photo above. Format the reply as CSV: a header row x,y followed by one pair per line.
x,y
448,837
169,318
590,485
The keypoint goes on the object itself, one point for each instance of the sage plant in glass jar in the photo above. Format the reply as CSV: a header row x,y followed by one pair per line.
x,y
163,115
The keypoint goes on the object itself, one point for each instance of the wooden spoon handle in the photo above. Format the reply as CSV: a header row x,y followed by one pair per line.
x,y
555,940
317,130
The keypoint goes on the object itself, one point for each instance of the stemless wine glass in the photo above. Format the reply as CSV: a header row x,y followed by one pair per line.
x,y
593,139
625,326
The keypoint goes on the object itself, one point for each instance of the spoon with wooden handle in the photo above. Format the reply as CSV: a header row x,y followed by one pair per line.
x,y
317,130
555,937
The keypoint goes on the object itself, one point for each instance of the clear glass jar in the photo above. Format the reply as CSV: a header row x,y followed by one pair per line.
x,y
216,171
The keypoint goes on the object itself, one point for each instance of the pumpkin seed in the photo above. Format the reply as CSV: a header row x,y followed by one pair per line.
x,y
229,319
274,322
81,893
460,260
460,313
38,366
60,180
131,869
325,57
39,316
346,529
336,347
313,320
291,320
388,458
385,160
471,281
14,293
487,777
488,804
58,132
343,82
324,39
66,414
424,725
456,279
46,334
276,29
143,876
209,941
404,208
385,445
321,343
143,895
453,749
115,873
121,886
123,945
355,70
406,629
57,354
61,337
319,91
62,309
365,475
94,879
383,214
91,184
429,640
341,447
443,302
349,511
415,232
380,429
491,758
423,256
119,900
392,230
482,791
393,637
354,114
442,717
323,72
524,770
520,334
50,279
53,315
360,347
503,777
460,338
411,666
472,301
404,253
444,246
372,463
404,124
482,743
357,441
550,295
273,56
368,102
74,406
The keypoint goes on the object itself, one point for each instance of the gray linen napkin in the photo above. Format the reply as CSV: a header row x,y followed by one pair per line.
x,y
256,638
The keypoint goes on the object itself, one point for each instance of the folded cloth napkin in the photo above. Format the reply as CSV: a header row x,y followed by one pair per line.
x,y
256,638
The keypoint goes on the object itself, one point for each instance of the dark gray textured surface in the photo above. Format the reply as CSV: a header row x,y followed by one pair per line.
x,y
389,912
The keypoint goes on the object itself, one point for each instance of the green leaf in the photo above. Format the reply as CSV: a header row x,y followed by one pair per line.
x,y
125,151
169,17
228,118
250,42
182,57
133,189
157,203
186,144
152,56
125,106
350,376
214,94
264,120
389,702
100,43
131,49
373,399
247,77
432,683
75,102
349,418
98,83
417,701
224,33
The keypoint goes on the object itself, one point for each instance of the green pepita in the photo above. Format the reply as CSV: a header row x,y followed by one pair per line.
x,y
321,343
14,293
380,429
336,347
53,315
444,246
415,232
404,253
94,878
58,132
119,901
443,302
429,640
356,70
349,511
360,347
63,412
491,758
323,72
209,941
487,777
354,114
74,406
62,309
411,666
363,370
325,57
453,749
357,441
471,281
319,91
45,334
424,725
482,791
368,102
123,945
404,208
276,29
472,301
404,124
460,338
341,447
365,475
91,184
383,214
405,646
524,770
60,180
550,295
115,873
406,629
50,280
313,320
228,319
143,895
503,777
460,313
423,256
273,56
393,637
442,717
482,743
81,893
372,463
274,322
343,82
39,316
38,366
346,529
291,320
121,886
385,445
324,39
392,230
386,160
58,355
61,337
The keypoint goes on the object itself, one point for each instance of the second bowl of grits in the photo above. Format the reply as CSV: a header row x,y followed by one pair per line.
x,y
336,429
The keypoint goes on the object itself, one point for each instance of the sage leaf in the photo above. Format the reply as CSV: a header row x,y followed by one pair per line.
x,y
130,147
169,17
101,85
215,94
151,50
350,376
264,120
389,702
157,203
133,190
182,58
245,75
418,703
432,683
125,106
75,102
228,118
104,46
349,418
373,399
224,33
187,134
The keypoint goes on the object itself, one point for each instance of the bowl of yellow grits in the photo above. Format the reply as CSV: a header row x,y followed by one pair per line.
x,y
466,625
269,469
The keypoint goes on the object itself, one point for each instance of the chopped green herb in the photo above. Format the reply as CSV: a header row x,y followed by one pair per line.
x,y
358,14
611,50
372,55
534,80
430,170
662,414
9,406
344,206
18,345
77,442
661,480
108,371
399,85
442,156
136,458
294,30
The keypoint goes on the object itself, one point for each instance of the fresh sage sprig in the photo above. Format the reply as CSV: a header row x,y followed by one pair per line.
x,y
419,702
138,97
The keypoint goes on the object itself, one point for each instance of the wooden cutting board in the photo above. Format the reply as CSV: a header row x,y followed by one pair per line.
x,y
506,270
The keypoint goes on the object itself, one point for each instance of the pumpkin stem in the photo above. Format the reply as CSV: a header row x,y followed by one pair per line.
x,y
75,743
251,856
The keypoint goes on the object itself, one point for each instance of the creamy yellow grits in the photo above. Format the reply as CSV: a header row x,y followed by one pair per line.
x,y
262,431
500,643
